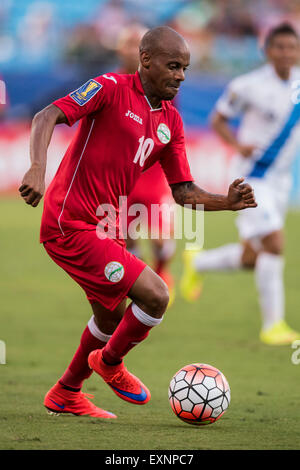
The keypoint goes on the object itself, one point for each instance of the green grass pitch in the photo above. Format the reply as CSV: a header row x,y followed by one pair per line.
x,y
43,313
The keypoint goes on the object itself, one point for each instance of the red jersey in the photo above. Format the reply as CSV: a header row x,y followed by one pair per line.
x,y
119,136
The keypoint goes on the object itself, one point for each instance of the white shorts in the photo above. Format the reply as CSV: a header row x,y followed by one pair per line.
x,y
268,216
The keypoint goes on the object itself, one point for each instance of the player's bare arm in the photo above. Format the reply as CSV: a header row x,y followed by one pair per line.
x,y
220,123
33,183
240,196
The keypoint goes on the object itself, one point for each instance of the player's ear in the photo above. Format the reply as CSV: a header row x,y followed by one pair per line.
x,y
145,59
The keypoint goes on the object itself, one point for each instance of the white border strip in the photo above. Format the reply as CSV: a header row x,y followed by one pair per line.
x,y
63,206
2,92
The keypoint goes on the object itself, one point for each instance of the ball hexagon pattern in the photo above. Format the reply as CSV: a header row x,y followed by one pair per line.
x,y
199,394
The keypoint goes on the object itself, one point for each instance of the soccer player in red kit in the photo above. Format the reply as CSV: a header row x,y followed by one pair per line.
x,y
127,123
163,249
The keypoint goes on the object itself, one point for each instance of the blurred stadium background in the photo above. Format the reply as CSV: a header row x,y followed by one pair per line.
x,y
49,47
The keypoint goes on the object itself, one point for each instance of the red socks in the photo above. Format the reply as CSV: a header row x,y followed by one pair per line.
x,y
79,370
133,328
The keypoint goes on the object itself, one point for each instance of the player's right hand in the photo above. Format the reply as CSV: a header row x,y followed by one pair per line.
x,y
246,150
240,196
33,186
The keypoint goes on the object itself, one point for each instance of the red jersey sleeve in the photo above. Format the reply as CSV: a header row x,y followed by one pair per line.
x,y
174,160
91,97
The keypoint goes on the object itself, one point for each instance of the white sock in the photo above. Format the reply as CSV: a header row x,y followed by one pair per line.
x,y
269,281
224,258
143,317
96,332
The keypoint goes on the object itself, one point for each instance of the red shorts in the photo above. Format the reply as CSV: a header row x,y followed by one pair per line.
x,y
103,268
152,189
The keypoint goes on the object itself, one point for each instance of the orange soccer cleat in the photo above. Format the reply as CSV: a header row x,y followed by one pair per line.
x,y
59,400
123,383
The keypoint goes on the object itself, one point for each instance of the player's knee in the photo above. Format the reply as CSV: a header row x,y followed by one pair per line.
x,y
274,250
159,300
273,243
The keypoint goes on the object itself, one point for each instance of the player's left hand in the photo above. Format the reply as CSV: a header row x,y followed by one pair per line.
x,y
240,196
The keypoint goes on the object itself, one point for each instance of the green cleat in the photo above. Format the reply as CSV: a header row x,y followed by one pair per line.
x,y
191,281
279,334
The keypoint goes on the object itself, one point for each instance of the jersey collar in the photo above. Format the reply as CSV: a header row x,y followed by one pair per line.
x,y
273,72
139,86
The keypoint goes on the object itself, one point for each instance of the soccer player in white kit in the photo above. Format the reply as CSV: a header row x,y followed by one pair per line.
x,y
266,144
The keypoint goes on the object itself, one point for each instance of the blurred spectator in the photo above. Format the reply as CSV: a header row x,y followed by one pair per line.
x,y
222,35
85,50
109,21
37,33
192,22
233,18
68,42
6,40
127,47
272,12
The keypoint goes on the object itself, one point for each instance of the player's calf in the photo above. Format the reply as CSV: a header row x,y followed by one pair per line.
x,y
151,299
249,255
273,243
132,330
108,362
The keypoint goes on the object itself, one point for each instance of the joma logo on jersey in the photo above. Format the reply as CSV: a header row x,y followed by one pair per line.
x,y
133,116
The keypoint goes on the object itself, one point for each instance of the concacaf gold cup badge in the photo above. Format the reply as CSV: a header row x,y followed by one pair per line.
x,y
83,94
163,133
114,271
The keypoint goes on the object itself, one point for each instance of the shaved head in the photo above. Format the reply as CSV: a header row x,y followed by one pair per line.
x,y
162,39
164,57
